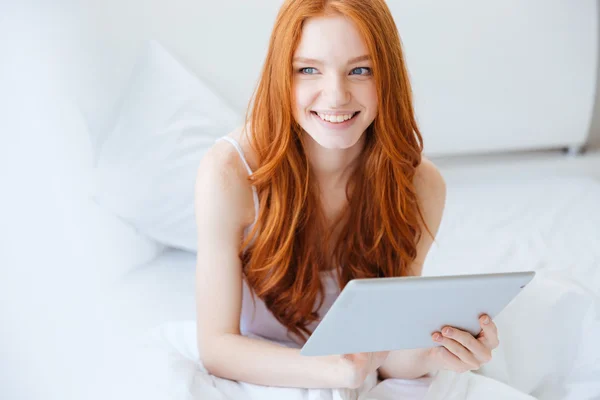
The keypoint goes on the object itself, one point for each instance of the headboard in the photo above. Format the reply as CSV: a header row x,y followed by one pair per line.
x,y
487,76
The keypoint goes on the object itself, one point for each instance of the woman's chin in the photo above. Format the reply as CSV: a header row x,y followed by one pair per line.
x,y
336,140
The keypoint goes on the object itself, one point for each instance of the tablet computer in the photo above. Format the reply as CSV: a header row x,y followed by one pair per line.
x,y
384,314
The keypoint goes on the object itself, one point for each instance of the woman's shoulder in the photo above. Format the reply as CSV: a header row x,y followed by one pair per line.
x,y
222,174
224,156
429,182
430,188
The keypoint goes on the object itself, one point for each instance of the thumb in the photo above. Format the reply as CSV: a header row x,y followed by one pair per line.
x,y
378,358
355,356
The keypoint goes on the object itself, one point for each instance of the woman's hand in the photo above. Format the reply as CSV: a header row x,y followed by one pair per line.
x,y
357,367
461,351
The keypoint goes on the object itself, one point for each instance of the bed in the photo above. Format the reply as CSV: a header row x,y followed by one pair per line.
x,y
118,149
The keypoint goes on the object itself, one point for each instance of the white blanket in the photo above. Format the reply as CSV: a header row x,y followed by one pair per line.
x,y
549,350
172,356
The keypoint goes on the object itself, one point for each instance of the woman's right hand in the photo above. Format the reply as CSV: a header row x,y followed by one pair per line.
x,y
357,367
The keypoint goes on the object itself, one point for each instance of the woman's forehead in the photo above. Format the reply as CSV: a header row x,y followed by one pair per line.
x,y
332,39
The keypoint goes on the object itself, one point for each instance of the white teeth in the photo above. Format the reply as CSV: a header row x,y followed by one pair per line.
x,y
335,118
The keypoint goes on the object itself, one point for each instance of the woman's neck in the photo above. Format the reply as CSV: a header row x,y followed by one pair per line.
x,y
332,167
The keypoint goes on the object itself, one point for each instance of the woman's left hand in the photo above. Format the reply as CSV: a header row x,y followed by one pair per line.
x,y
462,352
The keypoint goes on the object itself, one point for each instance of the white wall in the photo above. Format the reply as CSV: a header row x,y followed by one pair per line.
x,y
594,137
488,76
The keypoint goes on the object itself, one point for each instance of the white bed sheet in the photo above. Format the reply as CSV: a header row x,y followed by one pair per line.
x,y
548,224
159,291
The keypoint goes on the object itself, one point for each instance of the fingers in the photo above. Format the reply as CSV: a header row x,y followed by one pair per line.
x,y
489,334
449,360
457,348
467,351
474,347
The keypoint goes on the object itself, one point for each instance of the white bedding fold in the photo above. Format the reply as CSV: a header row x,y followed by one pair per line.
x,y
548,348
169,362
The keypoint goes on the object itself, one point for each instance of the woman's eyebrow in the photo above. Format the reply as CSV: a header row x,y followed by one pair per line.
x,y
354,60
307,60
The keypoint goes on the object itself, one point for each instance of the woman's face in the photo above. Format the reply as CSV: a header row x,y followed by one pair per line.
x,y
334,90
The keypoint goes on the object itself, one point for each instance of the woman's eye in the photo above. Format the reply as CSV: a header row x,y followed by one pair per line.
x,y
308,71
361,71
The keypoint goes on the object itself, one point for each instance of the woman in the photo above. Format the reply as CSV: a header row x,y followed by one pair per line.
x,y
324,183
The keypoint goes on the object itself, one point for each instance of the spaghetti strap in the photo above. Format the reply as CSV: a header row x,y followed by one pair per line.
x,y
250,172
240,152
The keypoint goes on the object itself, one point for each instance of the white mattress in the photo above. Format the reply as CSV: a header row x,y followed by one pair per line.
x,y
521,224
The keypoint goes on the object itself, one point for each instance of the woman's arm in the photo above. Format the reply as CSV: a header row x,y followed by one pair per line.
x,y
431,192
223,207
240,358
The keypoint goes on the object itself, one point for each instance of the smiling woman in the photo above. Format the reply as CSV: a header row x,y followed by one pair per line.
x,y
323,184
334,90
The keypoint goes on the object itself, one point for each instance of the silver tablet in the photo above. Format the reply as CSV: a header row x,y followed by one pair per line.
x,y
382,314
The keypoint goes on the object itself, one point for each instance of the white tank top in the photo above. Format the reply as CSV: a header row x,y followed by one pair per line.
x,y
256,320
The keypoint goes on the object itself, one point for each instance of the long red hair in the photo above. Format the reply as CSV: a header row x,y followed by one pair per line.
x,y
288,246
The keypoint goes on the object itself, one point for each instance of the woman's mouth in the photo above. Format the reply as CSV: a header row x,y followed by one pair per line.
x,y
336,121
335,118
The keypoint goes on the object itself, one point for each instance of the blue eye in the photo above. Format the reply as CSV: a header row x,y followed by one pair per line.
x,y
361,71
308,71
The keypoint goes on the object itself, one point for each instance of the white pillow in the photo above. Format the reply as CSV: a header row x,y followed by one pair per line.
x,y
146,166
91,240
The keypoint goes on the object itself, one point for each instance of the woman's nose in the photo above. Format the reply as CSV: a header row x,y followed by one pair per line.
x,y
336,91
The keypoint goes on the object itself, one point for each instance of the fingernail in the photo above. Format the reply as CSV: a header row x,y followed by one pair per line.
x,y
437,337
486,320
447,331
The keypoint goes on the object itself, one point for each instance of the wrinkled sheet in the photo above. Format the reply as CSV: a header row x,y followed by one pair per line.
x,y
170,357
